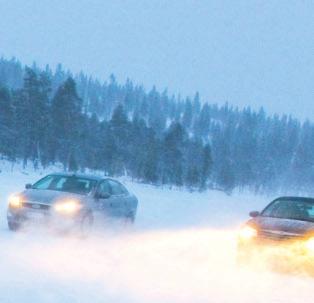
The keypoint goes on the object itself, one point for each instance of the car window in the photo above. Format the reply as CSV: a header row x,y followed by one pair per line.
x,y
44,183
58,183
270,209
104,187
290,209
116,188
71,184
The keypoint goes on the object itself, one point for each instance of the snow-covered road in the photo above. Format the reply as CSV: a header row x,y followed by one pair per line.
x,y
182,249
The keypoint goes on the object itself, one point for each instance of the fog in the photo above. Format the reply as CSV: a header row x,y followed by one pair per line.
x,y
182,248
188,265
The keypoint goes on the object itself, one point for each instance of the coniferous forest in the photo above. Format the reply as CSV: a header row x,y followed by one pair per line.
x,y
49,117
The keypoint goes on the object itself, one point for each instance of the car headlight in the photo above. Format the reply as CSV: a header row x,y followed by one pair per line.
x,y
67,207
15,201
247,233
309,244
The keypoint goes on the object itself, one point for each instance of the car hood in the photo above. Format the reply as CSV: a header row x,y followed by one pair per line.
x,y
283,225
47,196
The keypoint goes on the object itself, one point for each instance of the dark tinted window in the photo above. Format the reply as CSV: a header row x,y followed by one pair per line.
x,y
291,209
71,184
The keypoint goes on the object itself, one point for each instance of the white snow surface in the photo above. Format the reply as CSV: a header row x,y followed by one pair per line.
x,y
181,249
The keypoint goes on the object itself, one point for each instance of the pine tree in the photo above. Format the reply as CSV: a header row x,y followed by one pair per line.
x,y
119,126
173,144
66,110
202,124
206,166
31,112
187,115
193,177
151,158
6,124
108,150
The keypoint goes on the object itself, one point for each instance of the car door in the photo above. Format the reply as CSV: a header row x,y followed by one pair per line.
x,y
104,199
119,199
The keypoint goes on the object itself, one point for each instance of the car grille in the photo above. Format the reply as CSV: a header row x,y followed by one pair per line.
x,y
36,206
278,236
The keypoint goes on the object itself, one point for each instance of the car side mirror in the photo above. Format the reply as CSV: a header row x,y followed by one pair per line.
x,y
102,195
28,186
254,214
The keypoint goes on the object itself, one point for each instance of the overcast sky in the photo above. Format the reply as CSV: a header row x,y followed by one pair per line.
x,y
258,53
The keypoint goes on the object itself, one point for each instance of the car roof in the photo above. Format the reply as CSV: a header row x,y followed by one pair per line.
x,y
86,176
295,198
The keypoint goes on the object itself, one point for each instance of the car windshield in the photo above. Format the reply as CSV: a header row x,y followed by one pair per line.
x,y
291,209
72,184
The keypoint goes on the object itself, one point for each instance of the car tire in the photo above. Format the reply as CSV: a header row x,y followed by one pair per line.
x,y
86,224
13,226
129,219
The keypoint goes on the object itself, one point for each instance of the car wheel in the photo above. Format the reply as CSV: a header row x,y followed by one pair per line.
x,y
129,219
86,225
13,226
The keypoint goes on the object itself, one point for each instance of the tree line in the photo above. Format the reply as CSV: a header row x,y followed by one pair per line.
x,y
150,135
44,128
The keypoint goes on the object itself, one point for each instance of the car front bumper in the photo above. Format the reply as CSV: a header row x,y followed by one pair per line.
x,y
283,256
24,217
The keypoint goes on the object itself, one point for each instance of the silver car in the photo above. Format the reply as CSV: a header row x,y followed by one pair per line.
x,y
71,201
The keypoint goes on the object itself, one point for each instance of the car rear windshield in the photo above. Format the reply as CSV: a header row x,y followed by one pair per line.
x,y
291,209
72,184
